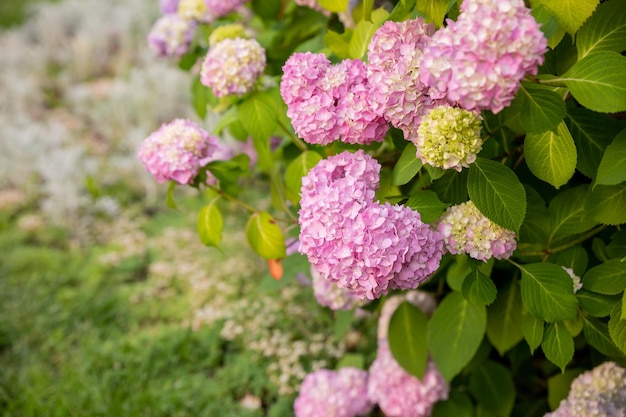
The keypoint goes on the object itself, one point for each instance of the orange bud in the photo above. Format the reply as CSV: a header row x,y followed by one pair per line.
x,y
276,269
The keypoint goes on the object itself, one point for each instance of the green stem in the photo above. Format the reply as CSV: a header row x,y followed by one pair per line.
x,y
296,140
548,251
557,82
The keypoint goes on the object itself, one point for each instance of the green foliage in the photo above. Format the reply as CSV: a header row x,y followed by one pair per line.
x,y
407,167
504,319
558,344
265,237
492,385
547,292
428,205
210,224
551,155
612,169
407,338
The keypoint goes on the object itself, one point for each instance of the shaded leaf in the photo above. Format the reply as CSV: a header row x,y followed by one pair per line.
x,y
597,334
479,289
407,338
558,344
617,327
612,169
568,214
547,292
559,386
504,319
407,166
492,385
596,305
532,328
551,156
607,278
606,203
428,205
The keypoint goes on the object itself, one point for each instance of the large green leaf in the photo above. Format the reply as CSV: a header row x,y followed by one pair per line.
x,y
551,156
592,133
504,319
604,31
596,305
407,338
259,116
297,169
407,166
532,328
497,192
568,214
547,292
455,331
433,10
492,386
452,187
363,33
428,205
479,289
612,169
265,237
575,257
542,109
458,404
598,82
607,278
558,344
617,327
597,334
210,224
606,203
571,14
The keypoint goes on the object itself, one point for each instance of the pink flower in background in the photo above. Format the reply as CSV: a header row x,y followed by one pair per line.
x,y
466,230
233,66
394,56
479,61
168,6
328,294
219,8
326,393
177,151
171,35
356,242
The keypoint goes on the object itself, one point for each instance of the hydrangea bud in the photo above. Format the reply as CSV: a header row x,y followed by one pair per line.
x,y
466,230
326,393
479,61
600,392
448,138
233,66
177,151
231,31
171,35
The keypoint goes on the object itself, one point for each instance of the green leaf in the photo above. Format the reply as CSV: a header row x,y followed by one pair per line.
x,y
571,14
428,204
492,386
551,156
617,327
612,169
258,115
334,5
575,257
458,404
297,169
532,328
231,116
596,305
606,203
210,224
542,109
598,82
407,166
607,278
604,31
351,360
342,323
547,20
455,332
558,344
265,237
433,10
498,193
407,338
363,33
457,271
592,133
547,292
559,386
479,289
368,6
597,334
537,223
504,319
170,195
567,210
452,187
338,43
201,97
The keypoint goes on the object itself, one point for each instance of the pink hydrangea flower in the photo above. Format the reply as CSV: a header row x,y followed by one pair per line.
x,y
168,6
328,294
598,392
233,66
171,35
356,242
479,61
326,103
177,151
466,230
400,394
393,68
326,393
219,8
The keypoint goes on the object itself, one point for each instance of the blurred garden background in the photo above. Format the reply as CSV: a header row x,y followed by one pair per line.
x,y
109,303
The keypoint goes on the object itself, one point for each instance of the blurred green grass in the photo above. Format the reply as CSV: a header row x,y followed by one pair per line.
x,y
13,12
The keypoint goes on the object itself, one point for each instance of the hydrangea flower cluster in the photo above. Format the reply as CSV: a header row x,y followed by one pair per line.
x,y
448,137
600,392
327,102
328,294
171,35
394,56
575,279
177,151
466,230
326,393
168,6
360,244
233,66
231,31
219,8
479,60
195,10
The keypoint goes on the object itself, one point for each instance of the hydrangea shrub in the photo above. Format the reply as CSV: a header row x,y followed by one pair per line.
x,y
473,149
